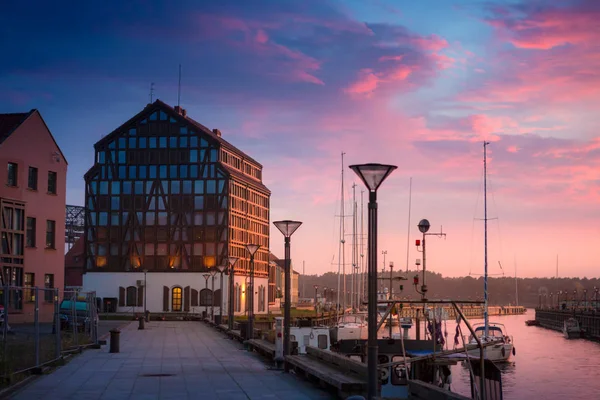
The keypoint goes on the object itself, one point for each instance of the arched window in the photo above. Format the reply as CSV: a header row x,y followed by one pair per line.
x,y
205,297
131,298
176,299
217,298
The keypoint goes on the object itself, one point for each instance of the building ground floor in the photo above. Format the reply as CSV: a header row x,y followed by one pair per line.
x,y
174,292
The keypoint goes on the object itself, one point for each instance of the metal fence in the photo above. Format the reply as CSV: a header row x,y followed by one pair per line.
x,y
38,326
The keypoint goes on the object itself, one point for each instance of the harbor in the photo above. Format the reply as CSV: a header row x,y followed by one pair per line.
x,y
589,320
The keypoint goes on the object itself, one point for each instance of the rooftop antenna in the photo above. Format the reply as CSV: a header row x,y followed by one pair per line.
x,y
151,91
179,88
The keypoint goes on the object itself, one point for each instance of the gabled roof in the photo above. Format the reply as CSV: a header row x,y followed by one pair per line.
x,y
158,104
10,122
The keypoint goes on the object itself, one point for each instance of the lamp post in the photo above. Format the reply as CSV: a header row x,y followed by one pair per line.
x,y
584,298
213,272
252,249
287,228
222,269
206,276
145,296
316,289
596,290
372,176
231,261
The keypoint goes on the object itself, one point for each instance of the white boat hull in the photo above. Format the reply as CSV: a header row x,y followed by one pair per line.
x,y
349,332
500,352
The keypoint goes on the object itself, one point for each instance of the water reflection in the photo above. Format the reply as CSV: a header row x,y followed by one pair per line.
x,y
546,365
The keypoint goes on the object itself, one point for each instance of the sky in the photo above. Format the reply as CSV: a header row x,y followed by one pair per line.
x,y
419,85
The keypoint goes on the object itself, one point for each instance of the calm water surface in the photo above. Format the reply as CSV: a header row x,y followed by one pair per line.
x,y
546,366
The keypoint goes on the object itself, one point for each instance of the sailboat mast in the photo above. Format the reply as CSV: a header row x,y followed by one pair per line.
x,y
408,229
352,293
344,294
341,242
485,220
362,249
516,284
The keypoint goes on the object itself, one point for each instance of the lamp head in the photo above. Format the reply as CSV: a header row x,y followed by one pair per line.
x,y
252,248
222,268
232,260
372,174
287,227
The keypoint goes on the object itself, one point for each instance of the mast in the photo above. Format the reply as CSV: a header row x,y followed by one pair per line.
x,y
362,249
516,283
340,247
343,243
353,244
408,229
485,220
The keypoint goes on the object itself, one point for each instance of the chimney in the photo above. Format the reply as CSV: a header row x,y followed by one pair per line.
x,y
217,132
180,111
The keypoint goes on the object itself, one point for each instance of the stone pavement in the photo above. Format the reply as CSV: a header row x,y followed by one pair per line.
x,y
170,360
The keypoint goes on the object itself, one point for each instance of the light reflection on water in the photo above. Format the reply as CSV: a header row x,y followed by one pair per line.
x,y
546,365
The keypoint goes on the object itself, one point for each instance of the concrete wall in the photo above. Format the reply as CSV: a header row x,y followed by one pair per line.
x,y
106,285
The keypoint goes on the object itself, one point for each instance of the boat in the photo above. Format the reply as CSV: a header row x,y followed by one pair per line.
x,y
571,329
499,352
317,336
488,332
532,322
349,327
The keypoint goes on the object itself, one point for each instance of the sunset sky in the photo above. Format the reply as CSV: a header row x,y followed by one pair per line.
x,y
417,84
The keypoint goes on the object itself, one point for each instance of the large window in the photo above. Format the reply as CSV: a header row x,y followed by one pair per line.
x,y
48,285
176,299
30,242
32,181
131,298
29,283
51,182
50,234
13,174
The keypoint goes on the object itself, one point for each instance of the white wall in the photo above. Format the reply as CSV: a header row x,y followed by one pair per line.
x,y
106,284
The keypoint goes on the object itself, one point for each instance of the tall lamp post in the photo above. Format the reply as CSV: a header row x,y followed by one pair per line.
x,y
206,276
252,249
316,292
287,228
222,269
596,296
231,261
145,296
213,272
372,176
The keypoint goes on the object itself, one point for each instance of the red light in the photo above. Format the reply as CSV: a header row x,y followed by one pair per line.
x,y
418,242
279,334
416,280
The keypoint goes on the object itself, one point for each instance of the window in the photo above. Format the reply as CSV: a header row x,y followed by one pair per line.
x,y
176,299
131,298
30,241
50,234
29,283
48,284
13,171
33,178
51,182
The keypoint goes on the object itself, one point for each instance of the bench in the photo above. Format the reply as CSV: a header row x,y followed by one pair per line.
x,y
263,347
338,372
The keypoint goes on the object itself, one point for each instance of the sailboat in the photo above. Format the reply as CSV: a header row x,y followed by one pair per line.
x,y
490,332
349,326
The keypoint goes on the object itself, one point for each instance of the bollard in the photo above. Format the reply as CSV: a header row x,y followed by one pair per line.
x,y
114,340
147,315
141,321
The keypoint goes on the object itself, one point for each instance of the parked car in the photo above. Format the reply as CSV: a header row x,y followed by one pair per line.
x,y
79,314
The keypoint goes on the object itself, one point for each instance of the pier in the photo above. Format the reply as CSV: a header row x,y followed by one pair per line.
x,y
589,320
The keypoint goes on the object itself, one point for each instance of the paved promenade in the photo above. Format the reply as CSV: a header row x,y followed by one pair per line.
x,y
170,360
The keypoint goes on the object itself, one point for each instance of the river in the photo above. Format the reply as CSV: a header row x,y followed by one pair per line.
x,y
546,365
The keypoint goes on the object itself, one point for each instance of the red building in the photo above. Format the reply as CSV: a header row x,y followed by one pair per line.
x,y
32,206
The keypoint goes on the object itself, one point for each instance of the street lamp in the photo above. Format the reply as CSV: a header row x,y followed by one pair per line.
x,y
287,228
206,276
145,296
231,261
584,298
222,269
372,176
252,249
596,290
316,289
213,272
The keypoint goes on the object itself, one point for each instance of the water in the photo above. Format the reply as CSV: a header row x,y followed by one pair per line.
x,y
546,365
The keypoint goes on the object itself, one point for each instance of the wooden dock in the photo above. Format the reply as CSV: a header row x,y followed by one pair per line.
x,y
554,319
